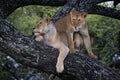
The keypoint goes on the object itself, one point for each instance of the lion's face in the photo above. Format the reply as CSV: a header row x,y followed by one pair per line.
x,y
41,28
77,19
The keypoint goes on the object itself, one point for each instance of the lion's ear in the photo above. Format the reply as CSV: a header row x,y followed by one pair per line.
x,y
72,11
47,19
84,14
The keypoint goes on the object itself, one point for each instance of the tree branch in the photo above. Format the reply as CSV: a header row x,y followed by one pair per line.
x,y
25,51
97,1
89,7
7,7
100,10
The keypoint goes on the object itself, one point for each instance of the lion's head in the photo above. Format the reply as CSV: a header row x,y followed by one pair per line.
x,y
77,19
41,28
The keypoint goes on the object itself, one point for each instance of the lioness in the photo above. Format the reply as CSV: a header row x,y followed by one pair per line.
x,y
75,21
45,30
78,41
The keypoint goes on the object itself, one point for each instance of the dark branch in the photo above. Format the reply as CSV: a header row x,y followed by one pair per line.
x,y
109,12
64,10
90,6
98,1
7,7
25,51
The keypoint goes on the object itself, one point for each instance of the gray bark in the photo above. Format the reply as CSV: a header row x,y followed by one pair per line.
x,y
25,50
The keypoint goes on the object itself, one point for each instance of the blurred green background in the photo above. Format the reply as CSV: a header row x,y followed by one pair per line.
x,y
103,31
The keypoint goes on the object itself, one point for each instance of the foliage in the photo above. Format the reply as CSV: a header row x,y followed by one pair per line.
x,y
24,18
103,32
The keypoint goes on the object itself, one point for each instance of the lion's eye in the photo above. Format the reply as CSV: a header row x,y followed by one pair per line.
x,y
73,19
40,23
78,19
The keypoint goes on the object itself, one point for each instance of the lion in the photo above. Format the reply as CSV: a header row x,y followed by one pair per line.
x,y
75,22
46,31
78,41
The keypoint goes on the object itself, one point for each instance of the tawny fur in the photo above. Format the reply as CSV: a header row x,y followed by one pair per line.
x,y
44,28
75,21
78,41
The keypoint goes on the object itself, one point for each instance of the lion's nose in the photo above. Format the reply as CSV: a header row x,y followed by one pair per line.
x,y
75,27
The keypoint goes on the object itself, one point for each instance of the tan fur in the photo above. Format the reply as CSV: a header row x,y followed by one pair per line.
x,y
78,41
75,21
44,28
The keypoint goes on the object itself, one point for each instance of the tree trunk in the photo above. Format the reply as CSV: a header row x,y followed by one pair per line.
x,y
118,38
35,54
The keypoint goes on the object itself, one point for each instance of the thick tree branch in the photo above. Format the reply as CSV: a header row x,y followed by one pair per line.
x,y
86,6
100,10
64,10
7,7
97,1
38,55
25,51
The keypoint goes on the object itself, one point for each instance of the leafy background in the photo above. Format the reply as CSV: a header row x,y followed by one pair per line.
x,y
103,31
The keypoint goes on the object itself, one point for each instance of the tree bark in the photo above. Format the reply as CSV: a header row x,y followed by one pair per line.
x,y
118,38
26,51
35,54
89,6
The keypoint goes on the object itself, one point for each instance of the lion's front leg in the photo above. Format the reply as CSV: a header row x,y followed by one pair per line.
x,y
63,51
87,43
70,42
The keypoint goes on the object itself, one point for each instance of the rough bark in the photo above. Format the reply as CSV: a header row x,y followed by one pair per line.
x,y
8,6
118,38
89,6
26,51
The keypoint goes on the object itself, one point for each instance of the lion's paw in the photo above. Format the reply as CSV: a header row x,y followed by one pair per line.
x,y
59,67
